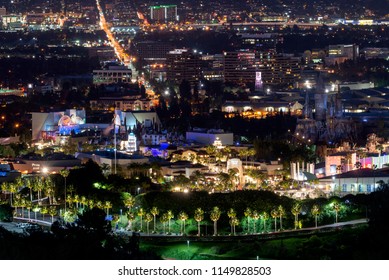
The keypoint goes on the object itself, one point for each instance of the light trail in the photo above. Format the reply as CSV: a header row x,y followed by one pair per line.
x,y
119,50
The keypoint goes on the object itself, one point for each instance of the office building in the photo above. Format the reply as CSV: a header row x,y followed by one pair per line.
x,y
183,64
163,13
111,75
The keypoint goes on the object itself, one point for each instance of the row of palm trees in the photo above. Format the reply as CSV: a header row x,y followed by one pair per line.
x,y
23,203
252,217
41,185
80,203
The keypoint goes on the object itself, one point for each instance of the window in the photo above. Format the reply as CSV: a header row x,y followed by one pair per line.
x,y
344,187
368,188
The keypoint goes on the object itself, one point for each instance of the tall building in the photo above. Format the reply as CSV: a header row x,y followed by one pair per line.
x,y
183,64
163,13
281,70
113,74
338,54
151,52
262,42
3,11
240,67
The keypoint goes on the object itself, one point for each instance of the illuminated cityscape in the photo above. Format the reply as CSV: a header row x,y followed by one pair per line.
x,y
248,129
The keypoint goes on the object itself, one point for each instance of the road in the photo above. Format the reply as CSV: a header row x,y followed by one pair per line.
x,y
119,50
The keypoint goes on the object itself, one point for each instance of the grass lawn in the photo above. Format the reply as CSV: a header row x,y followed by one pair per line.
x,y
333,245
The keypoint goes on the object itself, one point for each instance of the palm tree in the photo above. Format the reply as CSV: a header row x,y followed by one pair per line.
x,y
76,199
336,207
17,200
52,213
131,218
274,214
234,222
38,187
91,203
36,209
69,200
29,207
231,214
183,217
28,183
215,216
170,216
255,216
258,176
154,211
296,209
197,180
281,213
247,214
226,180
22,204
265,217
315,211
83,201
234,177
199,216
107,206
251,152
64,173
9,187
49,190
44,211
163,219
141,213
243,154
99,205
148,219
128,200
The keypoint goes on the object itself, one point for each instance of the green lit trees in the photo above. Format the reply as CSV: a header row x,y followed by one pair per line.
x,y
336,207
170,216
36,209
163,219
131,218
44,211
265,217
315,212
247,213
296,209
281,213
198,216
52,213
148,219
215,216
234,221
182,216
274,214
107,206
141,213
232,215
154,211
255,216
